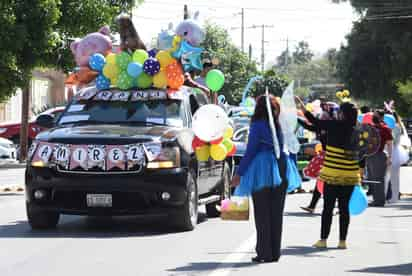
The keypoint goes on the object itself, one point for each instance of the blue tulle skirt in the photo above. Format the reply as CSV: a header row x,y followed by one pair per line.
x,y
263,172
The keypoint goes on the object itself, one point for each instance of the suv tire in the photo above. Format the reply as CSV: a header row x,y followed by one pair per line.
x,y
41,219
224,191
186,219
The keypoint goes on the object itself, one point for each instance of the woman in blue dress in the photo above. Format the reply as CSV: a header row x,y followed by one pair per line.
x,y
266,179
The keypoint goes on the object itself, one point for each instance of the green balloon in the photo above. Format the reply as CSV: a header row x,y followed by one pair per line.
x,y
144,81
124,81
122,60
140,56
215,80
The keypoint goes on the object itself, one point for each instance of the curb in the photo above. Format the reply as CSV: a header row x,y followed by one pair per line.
x,y
13,166
11,189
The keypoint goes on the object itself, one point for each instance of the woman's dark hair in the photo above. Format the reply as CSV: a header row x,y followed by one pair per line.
x,y
365,109
261,112
350,113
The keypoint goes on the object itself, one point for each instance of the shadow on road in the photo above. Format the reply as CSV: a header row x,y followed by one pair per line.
x,y
210,266
94,227
401,269
305,251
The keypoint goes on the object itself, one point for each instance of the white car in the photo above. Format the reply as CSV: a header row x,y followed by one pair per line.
x,y
7,150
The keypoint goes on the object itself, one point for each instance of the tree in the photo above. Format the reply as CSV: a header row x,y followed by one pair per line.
x,y
236,66
302,53
276,83
284,59
378,54
37,33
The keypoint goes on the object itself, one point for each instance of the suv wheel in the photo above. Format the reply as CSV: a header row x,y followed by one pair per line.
x,y
41,219
187,218
224,191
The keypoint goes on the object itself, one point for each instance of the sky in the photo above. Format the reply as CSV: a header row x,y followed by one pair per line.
x,y
321,23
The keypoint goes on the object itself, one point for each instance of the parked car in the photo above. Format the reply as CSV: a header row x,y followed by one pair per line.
x,y
146,133
7,150
11,130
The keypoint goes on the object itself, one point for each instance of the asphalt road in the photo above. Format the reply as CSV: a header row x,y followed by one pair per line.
x,y
379,244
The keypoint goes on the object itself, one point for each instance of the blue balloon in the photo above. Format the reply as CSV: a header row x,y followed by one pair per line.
x,y
134,69
97,62
102,83
292,175
389,121
358,201
360,118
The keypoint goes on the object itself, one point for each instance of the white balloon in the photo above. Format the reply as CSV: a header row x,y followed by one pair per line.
x,y
210,122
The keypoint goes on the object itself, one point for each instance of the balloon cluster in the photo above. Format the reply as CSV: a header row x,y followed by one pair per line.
x,y
142,69
213,134
343,96
160,68
367,118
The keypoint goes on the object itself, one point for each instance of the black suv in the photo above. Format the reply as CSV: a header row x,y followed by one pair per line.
x,y
122,153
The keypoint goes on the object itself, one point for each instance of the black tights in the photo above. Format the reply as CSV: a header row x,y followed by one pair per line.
x,y
330,194
315,198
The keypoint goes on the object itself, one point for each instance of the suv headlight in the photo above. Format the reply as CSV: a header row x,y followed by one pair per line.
x,y
169,157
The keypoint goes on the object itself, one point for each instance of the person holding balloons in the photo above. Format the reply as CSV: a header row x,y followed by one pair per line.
x,y
265,177
340,171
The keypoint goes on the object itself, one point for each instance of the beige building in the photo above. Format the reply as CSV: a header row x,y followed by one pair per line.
x,y
47,89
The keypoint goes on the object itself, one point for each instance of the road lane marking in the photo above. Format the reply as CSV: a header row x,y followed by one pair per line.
x,y
239,254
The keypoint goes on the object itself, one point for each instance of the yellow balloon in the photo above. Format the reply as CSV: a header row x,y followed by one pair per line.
x,y
111,71
113,81
203,153
175,44
164,58
111,58
228,133
160,80
218,152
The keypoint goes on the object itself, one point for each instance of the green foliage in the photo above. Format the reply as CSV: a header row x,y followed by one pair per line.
x,y
302,53
235,65
405,93
38,34
276,83
378,54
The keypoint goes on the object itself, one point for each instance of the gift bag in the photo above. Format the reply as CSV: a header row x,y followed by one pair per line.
x,y
314,166
236,208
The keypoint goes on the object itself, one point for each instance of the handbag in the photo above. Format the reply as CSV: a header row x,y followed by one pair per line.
x,y
236,208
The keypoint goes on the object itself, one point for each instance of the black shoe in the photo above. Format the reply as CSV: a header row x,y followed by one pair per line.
x,y
261,260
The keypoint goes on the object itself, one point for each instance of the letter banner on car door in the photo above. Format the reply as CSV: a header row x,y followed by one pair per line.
x,y
131,157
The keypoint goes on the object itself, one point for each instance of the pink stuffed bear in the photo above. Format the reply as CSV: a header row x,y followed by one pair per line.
x,y
92,43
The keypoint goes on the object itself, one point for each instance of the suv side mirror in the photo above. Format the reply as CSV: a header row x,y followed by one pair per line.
x,y
45,121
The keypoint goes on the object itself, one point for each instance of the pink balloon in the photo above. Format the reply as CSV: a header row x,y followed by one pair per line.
x,y
367,118
98,42
225,204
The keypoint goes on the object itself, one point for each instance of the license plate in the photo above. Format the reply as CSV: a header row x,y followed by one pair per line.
x,y
99,200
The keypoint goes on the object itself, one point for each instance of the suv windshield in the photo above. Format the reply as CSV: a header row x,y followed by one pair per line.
x,y
158,112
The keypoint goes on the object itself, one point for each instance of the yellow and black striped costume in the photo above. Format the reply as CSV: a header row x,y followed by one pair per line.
x,y
340,167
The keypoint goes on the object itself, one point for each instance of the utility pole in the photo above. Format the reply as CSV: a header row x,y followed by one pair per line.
x,y
287,55
263,26
185,12
243,30
250,52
